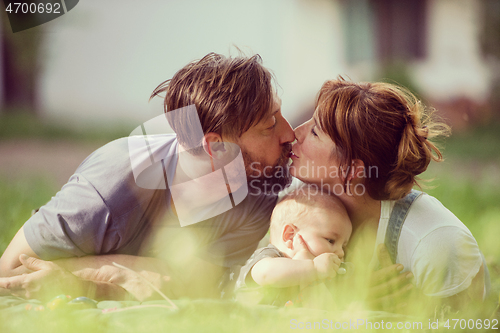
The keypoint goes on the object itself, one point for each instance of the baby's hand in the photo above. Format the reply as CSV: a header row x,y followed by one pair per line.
x,y
303,252
326,265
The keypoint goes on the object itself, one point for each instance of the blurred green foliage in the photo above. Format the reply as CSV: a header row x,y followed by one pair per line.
x,y
23,125
17,199
398,72
479,144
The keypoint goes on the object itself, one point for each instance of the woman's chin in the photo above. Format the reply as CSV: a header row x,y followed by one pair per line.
x,y
293,170
299,177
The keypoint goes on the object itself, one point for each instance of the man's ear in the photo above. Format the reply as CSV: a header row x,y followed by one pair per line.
x,y
289,232
213,145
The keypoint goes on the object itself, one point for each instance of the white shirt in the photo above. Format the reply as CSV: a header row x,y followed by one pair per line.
x,y
435,246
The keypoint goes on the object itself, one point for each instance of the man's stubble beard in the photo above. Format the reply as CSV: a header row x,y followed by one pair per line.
x,y
268,179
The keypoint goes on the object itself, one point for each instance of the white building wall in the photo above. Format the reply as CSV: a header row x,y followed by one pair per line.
x,y
104,58
454,66
313,50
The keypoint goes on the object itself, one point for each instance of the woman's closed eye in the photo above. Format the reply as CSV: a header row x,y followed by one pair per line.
x,y
313,131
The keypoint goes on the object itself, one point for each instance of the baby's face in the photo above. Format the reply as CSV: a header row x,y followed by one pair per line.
x,y
328,231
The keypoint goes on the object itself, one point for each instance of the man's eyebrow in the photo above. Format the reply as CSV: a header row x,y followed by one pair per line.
x,y
275,111
278,108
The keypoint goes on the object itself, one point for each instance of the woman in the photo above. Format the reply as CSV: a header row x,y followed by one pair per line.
x,y
367,143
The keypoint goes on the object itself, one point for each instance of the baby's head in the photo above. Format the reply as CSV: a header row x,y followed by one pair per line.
x,y
320,218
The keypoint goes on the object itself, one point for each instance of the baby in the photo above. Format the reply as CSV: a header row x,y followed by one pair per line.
x,y
309,231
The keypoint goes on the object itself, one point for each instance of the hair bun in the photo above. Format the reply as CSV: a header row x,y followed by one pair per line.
x,y
424,132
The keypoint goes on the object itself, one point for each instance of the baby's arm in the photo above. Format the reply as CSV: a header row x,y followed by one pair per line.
x,y
286,272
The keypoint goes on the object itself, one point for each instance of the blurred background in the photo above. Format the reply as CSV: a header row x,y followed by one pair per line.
x,y
79,81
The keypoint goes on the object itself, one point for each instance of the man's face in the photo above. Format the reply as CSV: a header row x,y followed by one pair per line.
x,y
266,149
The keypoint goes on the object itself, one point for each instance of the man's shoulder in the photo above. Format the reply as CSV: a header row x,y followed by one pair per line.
x,y
256,204
116,156
124,147
109,169
261,198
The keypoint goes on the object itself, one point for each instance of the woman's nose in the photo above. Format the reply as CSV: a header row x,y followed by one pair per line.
x,y
299,132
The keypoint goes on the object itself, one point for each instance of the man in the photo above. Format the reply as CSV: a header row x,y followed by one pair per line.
x,y
103,216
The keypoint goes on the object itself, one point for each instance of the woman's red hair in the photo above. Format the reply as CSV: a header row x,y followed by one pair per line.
x,y
383,125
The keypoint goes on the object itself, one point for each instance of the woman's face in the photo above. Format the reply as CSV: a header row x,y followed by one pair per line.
x,y
314,159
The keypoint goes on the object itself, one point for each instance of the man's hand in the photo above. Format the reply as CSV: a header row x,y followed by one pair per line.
x,y
113,282
46,280
388,288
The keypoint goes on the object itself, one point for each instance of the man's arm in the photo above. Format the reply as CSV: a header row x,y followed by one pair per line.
x,y
93,275
26,280
48,279
9,262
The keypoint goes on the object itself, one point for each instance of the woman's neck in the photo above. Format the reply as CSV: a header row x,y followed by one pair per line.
x,y
362,210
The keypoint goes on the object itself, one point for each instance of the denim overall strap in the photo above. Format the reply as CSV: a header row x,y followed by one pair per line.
x,y
396,220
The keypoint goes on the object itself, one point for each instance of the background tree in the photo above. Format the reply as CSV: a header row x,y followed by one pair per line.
x,y
490,43
20,61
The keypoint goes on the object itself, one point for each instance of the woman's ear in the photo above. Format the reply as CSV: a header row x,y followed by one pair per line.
x,y
289,232
356,170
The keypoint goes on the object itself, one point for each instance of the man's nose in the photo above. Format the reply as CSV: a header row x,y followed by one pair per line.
x,y
287,133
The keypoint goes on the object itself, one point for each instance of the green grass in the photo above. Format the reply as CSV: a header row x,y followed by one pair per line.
x,y
26,126
477,144
17,199
467,183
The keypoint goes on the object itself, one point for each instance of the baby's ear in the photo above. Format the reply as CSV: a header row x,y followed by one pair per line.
x,y
289,231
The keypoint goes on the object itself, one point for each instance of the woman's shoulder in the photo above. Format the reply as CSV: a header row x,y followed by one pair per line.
x,y
438,248
427,214
429,224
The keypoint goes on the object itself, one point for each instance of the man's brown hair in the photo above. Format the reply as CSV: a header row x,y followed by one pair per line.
x,y
231,94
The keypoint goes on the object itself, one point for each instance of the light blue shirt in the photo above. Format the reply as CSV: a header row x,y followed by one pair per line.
x,y
101,210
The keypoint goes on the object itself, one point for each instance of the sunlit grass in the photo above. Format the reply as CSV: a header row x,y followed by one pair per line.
x,y
19,125
18,197
475,204
467,183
